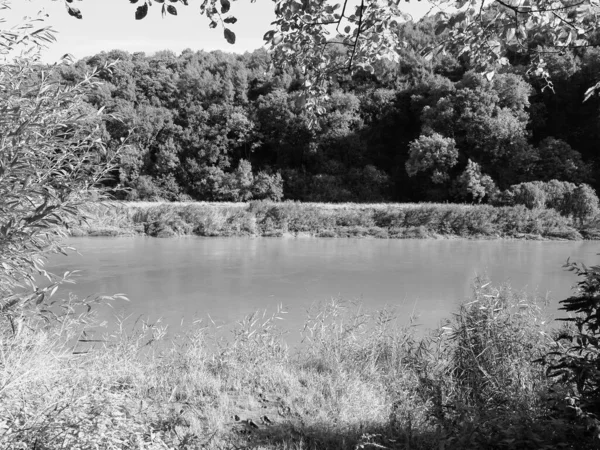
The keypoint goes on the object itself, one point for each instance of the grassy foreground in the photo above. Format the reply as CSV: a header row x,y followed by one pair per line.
x,y
425,220
360,380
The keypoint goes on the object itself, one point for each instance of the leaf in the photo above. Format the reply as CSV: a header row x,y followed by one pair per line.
x,y
490,75
456,19
225,6
589,93
133,1
347,29
172,10
229,35
510,35
74,12
268,35
213,24
230,19
141,12
440,28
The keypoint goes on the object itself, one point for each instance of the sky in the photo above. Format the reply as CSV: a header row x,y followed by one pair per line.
x,y
110,24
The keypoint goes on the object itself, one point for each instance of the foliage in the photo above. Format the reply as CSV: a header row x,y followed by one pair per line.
x,y
494,336
578,201
190,119
558,161
360,379
435,153
532,195
51,160
574,363
473,184
583,203
323,38
266,218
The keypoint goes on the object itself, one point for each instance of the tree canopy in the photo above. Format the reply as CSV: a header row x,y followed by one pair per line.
x,y
217,126
420,122
321,38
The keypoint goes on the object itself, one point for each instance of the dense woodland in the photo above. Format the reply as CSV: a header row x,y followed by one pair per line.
x,y
218,126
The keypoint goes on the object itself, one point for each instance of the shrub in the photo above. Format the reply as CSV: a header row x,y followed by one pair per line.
x,y
267,187
144,188
473,184
575,361
583,203
237,186
570,200
48,167
532,195
558,194
434,153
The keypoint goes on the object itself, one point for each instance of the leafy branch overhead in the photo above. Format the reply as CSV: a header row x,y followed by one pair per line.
x,y
322,38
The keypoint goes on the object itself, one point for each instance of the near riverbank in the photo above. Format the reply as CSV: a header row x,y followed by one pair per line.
x,y
360,380
395,221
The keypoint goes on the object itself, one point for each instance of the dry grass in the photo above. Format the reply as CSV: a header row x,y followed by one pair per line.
x,y
360,379
401,220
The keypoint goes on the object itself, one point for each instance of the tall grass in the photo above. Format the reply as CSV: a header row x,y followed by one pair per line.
x,y
359,379
328,220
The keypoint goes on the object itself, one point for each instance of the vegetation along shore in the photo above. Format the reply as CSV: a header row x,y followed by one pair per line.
x,y
359,380
265,218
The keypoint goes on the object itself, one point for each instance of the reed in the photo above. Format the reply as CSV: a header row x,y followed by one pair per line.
x,y
262,218
359,379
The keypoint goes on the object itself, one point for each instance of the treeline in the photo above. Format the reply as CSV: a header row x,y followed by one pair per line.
x,y
225,127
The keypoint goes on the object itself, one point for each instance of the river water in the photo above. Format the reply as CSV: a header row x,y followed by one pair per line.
x,y
188,278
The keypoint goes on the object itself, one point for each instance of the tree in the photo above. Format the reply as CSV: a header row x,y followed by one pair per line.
x,y
366,31
474,185
51,159
433,153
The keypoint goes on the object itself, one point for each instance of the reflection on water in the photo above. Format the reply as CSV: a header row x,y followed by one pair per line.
x,y
227,278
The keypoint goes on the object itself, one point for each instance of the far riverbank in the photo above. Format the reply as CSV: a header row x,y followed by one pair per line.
x,y
280,219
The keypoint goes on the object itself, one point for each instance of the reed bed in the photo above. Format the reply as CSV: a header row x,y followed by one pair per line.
x,y
360,379
423,220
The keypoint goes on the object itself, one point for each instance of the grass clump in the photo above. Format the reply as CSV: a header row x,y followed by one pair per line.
x,y
358,379
266,218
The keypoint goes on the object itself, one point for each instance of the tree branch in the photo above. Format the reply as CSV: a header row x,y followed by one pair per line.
x,y
358,31
341,16
518,10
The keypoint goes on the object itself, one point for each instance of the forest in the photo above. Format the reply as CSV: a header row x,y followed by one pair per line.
x,y
230,127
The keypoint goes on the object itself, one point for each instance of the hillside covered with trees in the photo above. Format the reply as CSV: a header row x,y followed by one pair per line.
x,y
217,126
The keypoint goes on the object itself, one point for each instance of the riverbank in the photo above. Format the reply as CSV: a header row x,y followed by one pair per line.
x,y
384,221
360,380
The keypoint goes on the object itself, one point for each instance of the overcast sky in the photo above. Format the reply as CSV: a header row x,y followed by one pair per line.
x,y
110,24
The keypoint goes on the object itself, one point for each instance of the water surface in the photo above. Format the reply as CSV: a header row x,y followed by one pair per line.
x,y
187,278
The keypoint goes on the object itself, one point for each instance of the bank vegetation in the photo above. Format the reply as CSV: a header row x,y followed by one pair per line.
x,y
277,219
359,379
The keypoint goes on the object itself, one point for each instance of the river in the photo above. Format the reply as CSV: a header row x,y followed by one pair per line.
x,y
188,278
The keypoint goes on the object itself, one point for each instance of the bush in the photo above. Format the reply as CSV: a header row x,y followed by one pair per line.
x,y
434,153
570,200
576,360
583,203
532,195
267,187
52,162
474,185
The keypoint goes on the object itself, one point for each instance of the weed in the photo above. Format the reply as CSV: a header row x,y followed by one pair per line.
x,y
359,379
265,218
